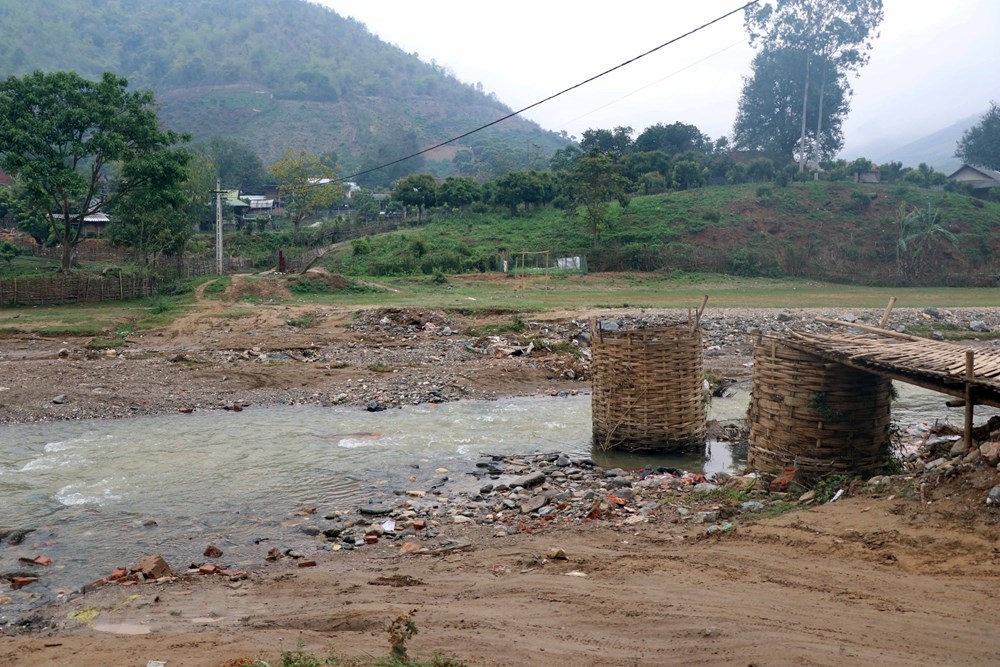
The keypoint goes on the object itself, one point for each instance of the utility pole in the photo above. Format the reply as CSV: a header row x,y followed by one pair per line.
x,y
218,226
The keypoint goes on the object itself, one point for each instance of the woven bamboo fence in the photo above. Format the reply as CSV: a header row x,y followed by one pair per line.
x,y
647,388
814,415
74,288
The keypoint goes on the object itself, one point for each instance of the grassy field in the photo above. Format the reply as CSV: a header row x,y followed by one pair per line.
x,y
495,293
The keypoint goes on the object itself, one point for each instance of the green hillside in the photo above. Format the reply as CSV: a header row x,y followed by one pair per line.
x,y
827,231
273,74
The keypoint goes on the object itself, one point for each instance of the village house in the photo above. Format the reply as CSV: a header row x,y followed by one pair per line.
x,y
980,178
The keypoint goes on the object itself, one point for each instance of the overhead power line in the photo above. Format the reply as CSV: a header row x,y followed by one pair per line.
x,y
553,96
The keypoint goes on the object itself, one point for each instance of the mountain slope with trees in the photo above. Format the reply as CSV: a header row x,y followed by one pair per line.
x,y
275,75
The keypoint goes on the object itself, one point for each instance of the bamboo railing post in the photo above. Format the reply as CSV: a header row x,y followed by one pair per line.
x,y
970,360
888,311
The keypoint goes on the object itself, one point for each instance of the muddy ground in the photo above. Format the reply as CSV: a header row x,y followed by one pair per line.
x,y
897,576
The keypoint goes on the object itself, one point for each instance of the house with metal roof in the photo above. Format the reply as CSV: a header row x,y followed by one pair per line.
x,y
980,178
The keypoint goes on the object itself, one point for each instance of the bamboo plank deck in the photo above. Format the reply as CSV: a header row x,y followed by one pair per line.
x,y
935,365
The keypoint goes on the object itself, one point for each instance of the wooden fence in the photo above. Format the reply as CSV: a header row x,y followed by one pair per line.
x,y
74,288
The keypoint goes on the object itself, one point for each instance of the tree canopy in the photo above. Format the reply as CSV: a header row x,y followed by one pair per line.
x,y
835,37
80,147
307,184
980,144
769,118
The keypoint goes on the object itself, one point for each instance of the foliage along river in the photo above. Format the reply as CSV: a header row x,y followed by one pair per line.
x,y
101,494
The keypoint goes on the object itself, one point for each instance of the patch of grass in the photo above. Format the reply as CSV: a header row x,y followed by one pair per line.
x,y
233,314
515,326
380,367
827,486
721,494
304,321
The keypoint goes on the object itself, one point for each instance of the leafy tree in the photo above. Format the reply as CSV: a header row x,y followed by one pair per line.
x,y
769,117
160,222
459,191
687,174
63,136
980,144
838,32
924,175
8,251
672,139
617,142
236,165
306,184
420,190
564,158
150,226
595,181
526,187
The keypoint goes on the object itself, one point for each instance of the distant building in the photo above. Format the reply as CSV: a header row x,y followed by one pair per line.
x,y
870,176
94,225
980,178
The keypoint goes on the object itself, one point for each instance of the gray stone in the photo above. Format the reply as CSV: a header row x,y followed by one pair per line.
x,y
706,517
752,506
994,497
529,481
705,487
60,399
563,461
609,325
933,312
959,448
978,326
534,503
376,509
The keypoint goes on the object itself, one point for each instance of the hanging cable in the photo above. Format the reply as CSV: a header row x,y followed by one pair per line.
x,y
551,97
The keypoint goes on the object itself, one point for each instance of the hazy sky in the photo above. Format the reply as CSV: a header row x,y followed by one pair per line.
x,y
933,63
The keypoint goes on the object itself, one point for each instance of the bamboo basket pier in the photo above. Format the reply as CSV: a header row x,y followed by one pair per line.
x,y
647,388
817,416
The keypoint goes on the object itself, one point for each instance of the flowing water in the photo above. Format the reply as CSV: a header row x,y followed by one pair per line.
x,y
102,493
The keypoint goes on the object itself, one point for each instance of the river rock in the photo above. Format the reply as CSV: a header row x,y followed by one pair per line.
x,y
990,452
529,481
60,399
994,496
376,509
978,326
534,503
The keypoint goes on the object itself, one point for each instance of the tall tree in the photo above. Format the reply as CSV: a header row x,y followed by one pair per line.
x,y
66,138
769,117
836,31
596,180
616,142
980,144
236,165
674,138
420,190
306,183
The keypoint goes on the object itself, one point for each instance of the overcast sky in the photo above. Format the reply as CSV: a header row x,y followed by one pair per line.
x,y
933,63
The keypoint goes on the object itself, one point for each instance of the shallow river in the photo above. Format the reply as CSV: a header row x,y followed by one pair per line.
x,y
101,494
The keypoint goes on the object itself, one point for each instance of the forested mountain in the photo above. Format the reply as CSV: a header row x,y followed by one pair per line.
x,y
275,74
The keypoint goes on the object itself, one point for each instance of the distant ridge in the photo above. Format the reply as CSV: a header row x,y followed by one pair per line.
x,y
274,75
937,149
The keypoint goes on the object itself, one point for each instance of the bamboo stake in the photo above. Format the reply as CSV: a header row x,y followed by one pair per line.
x,y
888,311
970,357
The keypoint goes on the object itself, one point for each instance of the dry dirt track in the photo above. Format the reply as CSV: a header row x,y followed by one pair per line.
x,y
867,581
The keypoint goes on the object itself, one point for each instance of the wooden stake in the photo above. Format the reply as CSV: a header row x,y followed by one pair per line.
x,y
970,360
888,311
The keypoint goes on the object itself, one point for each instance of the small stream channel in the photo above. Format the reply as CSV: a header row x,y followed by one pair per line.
x,y
103,493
